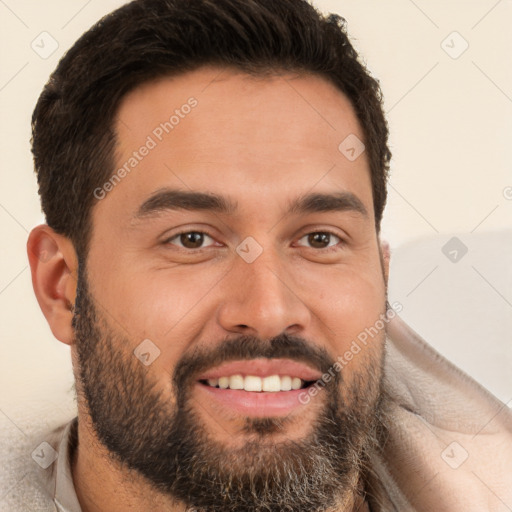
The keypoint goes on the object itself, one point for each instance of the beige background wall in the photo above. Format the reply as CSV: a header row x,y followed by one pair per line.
x,y
451,121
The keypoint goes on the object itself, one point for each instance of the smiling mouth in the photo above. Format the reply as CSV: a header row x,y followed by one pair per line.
x,y
253,383
259,387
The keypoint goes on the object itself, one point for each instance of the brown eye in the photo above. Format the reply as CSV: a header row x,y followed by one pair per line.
x,y
189,239
321,239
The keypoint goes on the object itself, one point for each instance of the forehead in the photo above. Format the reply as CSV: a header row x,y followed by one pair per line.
x,y
221,130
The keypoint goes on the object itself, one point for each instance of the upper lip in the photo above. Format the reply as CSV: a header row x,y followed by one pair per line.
x,y
261,367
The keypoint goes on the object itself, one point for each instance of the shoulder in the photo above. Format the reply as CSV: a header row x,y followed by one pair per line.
x,y
29,462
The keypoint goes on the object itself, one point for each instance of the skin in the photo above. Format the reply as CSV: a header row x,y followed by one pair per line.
x,y
262,142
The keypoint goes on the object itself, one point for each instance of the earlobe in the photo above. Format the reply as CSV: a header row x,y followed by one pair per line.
x,y
54,264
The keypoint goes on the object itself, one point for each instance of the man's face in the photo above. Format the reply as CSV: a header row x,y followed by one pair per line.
x,y
256,290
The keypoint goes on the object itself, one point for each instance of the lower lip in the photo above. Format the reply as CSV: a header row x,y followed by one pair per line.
x,y
256,404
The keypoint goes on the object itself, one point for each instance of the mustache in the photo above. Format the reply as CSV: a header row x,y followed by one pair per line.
x,y
245,347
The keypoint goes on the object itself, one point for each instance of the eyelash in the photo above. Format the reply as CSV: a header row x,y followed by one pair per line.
x,y
339,245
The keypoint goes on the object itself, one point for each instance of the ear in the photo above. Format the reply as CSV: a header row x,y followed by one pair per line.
x,y
54,265
385,257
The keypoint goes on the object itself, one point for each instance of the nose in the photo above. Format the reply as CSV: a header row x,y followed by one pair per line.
x,y
262,299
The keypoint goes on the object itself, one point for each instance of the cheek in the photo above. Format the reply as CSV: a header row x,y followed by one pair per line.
x,y
346,299
166,307
358,304
349,305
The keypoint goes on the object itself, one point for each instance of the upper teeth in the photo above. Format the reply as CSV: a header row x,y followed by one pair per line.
x,y
271,383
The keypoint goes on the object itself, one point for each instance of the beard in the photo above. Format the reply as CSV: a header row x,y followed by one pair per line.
x,y
167,443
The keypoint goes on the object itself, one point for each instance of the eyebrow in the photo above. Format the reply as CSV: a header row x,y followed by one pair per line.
x,y
172,199
333,202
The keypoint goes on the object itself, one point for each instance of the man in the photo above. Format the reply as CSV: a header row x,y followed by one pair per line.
x,y
213,175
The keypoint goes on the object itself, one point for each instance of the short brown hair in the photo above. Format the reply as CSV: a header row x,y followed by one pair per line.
x,y
73,138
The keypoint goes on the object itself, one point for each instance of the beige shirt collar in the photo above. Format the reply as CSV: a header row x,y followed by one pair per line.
x,y
65,497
